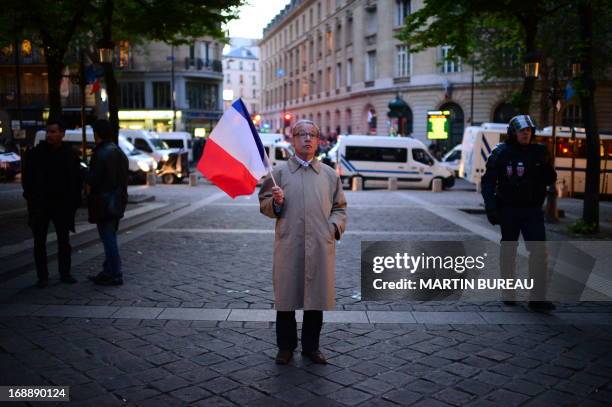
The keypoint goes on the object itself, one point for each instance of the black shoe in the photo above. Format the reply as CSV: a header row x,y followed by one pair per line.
x,y
68,279
98,277
541,306
316,357
42,283
105,279
283,357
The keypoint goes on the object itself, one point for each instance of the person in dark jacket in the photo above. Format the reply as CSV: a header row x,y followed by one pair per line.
x,y
52,188
518,172
107,199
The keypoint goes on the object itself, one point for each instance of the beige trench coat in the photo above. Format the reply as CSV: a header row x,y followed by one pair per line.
x,y
304,245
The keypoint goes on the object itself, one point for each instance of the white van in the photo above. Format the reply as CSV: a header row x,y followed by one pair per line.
x,y
149,143
278,151
375,159
570,157
477,144
139,164
178,140
452,159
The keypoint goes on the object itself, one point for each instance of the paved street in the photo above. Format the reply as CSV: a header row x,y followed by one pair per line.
x,y
193,323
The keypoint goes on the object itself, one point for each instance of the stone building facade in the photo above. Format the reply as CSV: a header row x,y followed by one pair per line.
x,y
338,63
148,81
242,75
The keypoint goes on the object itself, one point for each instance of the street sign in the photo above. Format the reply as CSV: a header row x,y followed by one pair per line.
x,y
438,124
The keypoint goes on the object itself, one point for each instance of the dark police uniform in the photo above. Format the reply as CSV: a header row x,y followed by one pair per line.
x,y
514,189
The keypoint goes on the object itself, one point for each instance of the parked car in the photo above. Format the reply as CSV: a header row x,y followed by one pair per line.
x,y
10,165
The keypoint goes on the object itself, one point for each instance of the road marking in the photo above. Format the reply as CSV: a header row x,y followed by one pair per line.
x,y
454,216
269,315
349,232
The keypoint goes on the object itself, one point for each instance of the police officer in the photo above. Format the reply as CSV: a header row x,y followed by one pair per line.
x,y
518,172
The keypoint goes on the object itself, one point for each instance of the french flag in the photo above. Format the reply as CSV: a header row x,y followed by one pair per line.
x,y
234,158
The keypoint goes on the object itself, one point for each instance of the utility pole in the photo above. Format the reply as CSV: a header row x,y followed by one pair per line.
x,y
82,91
173,91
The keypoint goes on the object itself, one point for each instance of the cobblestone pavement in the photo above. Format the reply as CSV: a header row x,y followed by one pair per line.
x,y
216,255
168,363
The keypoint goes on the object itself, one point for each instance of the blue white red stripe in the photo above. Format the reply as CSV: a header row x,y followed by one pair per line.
x,y
234,158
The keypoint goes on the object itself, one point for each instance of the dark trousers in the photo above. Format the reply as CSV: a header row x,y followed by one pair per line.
x,y
286,330
528,222
40,227
108,236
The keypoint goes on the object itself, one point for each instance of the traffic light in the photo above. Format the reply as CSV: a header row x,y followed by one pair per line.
x,y
287,119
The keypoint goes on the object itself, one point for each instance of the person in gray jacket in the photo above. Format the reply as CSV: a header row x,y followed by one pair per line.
x,y
107,199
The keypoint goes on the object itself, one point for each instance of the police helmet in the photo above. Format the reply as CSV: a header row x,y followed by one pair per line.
x,y
518,123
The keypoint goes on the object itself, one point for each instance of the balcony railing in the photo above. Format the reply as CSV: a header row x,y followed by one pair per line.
x,y
200,64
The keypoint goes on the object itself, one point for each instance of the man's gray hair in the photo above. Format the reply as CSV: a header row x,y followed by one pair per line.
x,y
303,122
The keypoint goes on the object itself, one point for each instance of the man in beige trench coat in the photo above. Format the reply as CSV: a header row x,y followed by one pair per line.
x,y
310,211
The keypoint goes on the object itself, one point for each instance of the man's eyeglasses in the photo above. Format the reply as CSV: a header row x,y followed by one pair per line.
x,y
304,135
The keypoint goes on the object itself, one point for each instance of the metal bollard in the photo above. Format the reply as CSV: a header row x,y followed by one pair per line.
x,y
392,184
151,179
193,179
357,184
436,185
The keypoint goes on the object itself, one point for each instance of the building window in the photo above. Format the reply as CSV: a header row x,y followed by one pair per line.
x,y
402,62
319,12
328,80
201,95
253,80
349,30
228,78
371,21
402,10
338,37
161,95
132,95
338,74
330,41
241,79
370,66
240,66
228,65
253,66
349,72
26,48
449,65
124,54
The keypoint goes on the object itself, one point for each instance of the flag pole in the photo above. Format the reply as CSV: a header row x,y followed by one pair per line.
x,y
253,127
269,168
